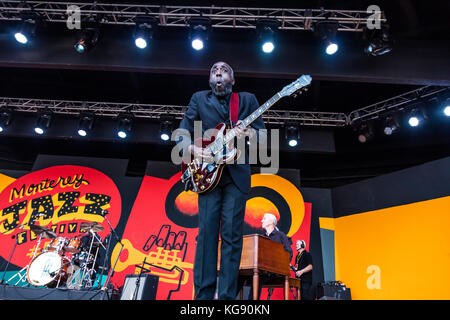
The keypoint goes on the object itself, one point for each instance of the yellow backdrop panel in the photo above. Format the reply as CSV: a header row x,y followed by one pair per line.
x,y
396,253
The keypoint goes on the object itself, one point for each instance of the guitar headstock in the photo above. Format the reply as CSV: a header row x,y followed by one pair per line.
x,y
295,86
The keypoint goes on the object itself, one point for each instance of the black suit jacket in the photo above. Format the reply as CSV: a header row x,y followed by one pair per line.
x,y
205,106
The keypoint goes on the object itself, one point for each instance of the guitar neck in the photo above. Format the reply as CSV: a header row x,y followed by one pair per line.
x,y
255,115
287,90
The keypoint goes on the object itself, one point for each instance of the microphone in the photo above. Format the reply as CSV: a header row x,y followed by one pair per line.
x,y
28,223
105,212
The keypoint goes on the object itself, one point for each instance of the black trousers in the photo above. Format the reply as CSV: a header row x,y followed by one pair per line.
x,y
220,210
306,291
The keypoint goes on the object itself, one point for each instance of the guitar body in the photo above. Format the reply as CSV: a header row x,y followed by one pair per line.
x,y
200,176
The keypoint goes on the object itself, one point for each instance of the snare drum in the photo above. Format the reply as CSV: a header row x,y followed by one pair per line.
x,y
73,246
48,269
83,259
57,245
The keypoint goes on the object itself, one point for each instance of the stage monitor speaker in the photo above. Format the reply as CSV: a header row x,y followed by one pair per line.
x,y
328,298
333,289
148,285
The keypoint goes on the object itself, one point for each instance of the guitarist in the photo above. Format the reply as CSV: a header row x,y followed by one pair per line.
x,y
221,210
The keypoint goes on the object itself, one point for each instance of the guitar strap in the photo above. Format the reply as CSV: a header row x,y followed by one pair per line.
x,y
234,108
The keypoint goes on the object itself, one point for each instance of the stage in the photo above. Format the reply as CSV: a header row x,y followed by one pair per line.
x,y
9,292
345,112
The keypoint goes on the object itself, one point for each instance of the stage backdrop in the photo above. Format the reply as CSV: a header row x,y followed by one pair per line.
x,y
154,218
391,234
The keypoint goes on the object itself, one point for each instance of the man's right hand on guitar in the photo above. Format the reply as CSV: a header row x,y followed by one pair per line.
x,y
201,153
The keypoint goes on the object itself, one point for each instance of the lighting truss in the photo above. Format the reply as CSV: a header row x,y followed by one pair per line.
x,y
271,116
177,16
155,111
396,103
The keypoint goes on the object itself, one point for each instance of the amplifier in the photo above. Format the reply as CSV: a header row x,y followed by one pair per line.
x,y
336,290
148,285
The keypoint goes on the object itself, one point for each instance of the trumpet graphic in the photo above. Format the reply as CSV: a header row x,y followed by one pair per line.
x,y
165,262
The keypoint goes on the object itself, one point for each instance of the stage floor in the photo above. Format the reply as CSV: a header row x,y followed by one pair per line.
x,y
9,292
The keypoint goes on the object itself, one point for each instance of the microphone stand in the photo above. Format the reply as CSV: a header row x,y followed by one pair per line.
x,y
12,252
117,258
9,260
92,268
138,281
105,260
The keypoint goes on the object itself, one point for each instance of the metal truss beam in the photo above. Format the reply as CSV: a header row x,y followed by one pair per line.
x,y
394,104
221,17
272,116
155,111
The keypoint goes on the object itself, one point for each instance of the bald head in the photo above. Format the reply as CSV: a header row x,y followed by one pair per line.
x,y
221,78
219,64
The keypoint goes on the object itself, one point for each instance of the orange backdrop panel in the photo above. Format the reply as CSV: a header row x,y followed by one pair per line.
x,y
400,252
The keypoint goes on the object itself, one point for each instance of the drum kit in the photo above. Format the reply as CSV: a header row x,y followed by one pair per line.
x,y
64,262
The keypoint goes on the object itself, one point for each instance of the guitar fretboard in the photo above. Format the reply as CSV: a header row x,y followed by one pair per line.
x,y
218,144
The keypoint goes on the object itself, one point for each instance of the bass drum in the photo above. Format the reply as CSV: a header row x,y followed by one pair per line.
x,y
48,269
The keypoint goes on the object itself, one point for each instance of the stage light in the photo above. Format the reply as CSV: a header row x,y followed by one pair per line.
x,y
87,37
164,136
390,125
143,32
268,47
199,29
27,30
43,122
292,134
413,121
124,125
5,118
165,129
331,48
85,123
416,117
197,44
266,33
379,41
21,37
446,109
326,31
365,132
140,42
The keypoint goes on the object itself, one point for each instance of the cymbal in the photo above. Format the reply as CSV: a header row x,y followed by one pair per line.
x,y
38,229
94,226
48,235
44,232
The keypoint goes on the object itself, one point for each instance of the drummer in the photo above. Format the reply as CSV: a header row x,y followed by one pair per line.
x,y
91,232
86,241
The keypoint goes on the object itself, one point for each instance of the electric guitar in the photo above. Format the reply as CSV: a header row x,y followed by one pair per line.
x,y
200,176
